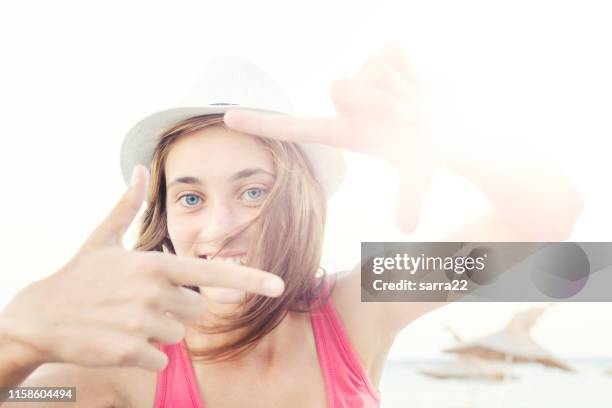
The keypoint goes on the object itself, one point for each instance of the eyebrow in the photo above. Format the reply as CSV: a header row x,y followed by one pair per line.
x,y
237,176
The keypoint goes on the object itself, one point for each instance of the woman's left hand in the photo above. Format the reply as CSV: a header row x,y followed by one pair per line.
x,y
376,114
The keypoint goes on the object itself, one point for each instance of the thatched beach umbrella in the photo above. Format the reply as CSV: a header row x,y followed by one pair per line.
x,y
512,344
466,368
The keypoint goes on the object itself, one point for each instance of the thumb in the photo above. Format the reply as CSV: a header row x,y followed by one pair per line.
x,y
116,223
414,180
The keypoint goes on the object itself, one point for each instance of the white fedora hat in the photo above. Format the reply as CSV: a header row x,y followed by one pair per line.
x,y
228,82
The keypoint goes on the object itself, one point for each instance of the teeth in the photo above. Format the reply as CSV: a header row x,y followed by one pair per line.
x,y
233,260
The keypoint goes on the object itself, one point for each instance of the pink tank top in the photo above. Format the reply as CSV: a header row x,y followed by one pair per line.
x,y
345,379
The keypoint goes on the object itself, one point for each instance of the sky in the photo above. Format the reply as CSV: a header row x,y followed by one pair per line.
x,y
75,77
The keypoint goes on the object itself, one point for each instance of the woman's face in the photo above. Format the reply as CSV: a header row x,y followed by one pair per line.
x,y
216,179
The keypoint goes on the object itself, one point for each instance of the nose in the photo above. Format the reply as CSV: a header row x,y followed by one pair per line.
x,y
219,221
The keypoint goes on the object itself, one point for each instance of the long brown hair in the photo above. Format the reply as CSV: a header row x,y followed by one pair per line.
x,y
292,222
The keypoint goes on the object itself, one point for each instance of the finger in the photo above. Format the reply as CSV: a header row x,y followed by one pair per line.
x,y
112,229
400,61
380,73
283,127
415,176
183,303
147,356
357,98
224,295
187,271
164,329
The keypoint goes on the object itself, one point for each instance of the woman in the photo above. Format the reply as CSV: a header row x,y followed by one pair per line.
x,y
275,214
314,344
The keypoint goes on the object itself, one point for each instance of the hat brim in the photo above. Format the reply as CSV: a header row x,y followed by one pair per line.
x,y
141,140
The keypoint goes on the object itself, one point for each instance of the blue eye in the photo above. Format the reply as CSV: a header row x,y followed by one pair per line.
x,y
258,193
191,199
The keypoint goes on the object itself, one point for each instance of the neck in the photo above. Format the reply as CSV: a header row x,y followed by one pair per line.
x,y
264,353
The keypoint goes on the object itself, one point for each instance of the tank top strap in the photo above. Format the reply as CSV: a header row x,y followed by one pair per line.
x,y
176,383
348,383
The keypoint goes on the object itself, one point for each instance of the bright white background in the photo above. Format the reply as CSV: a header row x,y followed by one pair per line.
x,y
74,76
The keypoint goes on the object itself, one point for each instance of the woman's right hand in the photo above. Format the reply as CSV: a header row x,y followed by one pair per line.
x,y
109,306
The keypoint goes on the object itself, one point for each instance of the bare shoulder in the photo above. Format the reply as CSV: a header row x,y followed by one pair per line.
x,y
386,319
95,387
358,317
361,322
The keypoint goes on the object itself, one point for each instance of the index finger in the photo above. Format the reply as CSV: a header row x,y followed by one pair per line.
x,y
283,127
191,271
400,61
